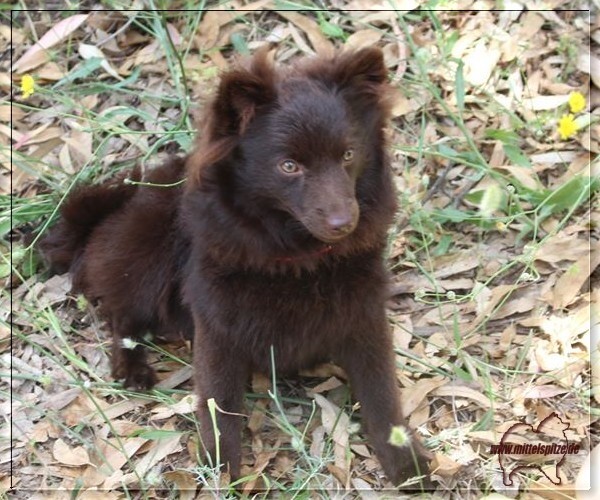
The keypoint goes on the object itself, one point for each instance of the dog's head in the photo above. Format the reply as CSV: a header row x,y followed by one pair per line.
x,y
297,143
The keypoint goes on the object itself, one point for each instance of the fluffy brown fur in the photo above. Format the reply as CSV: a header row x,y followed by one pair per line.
x,y
274,245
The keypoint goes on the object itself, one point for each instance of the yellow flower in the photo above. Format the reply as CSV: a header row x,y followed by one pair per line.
x,y
576,102
27,86
567,127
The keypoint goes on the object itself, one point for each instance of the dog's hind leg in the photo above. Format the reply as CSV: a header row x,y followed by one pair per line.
x,y
129,361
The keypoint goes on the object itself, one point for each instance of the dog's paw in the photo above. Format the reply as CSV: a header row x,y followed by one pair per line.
x,y
402,464
140,379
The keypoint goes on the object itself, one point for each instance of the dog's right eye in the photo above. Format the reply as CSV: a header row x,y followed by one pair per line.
x,y
289,167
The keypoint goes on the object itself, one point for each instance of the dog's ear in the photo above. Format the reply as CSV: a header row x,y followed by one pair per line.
x,y
363,68
241,92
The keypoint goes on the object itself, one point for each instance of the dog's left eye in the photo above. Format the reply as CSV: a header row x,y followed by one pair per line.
x,y
289,167
348,155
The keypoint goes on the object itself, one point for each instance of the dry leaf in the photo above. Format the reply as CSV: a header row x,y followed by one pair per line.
x,y
186,405
444,466
328,385
37,54
530,25
208,29
336,424
403,332
317,39
10,113
160,449
456,263
487,306
69,456
263,459
457,391
89,51
149,54
543,392
80,147
546,357
117,452
526,176
185,482
544,102
317,442
51,72
568,285
411,397
362,38
479,63
562,247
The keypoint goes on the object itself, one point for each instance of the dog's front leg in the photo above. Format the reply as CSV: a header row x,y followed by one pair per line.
x,y
368,359
221,376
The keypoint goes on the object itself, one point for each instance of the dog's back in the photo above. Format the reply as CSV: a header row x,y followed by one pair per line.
x,y
82,211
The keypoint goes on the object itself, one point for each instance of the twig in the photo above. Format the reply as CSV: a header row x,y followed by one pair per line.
x,y
438,184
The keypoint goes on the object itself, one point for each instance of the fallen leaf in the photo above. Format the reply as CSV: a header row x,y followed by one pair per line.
x,y
149,54
544,102
208,29
456,263
336,424
317,442
543,391
328,385
185,482
362,38
554,157
562,247
317,39
530,25
457,391
491,301
116,453
402,332
37,54
9,113
263,459
479,63
526,176
50,71
89,51
547,358
186,405
568,285
444,466
64,454
160,449
411,397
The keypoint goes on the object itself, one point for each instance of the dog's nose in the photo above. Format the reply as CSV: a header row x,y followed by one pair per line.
x,y
341,223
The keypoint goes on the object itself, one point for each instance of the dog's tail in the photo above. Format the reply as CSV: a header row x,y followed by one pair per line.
x,y
84,208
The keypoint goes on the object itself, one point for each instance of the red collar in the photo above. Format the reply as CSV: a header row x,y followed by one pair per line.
x,y
304,256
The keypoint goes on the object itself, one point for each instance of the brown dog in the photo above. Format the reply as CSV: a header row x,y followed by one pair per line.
x,y
274,245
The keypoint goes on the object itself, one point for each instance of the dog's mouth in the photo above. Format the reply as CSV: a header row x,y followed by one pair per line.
x,y
332,230
333,237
